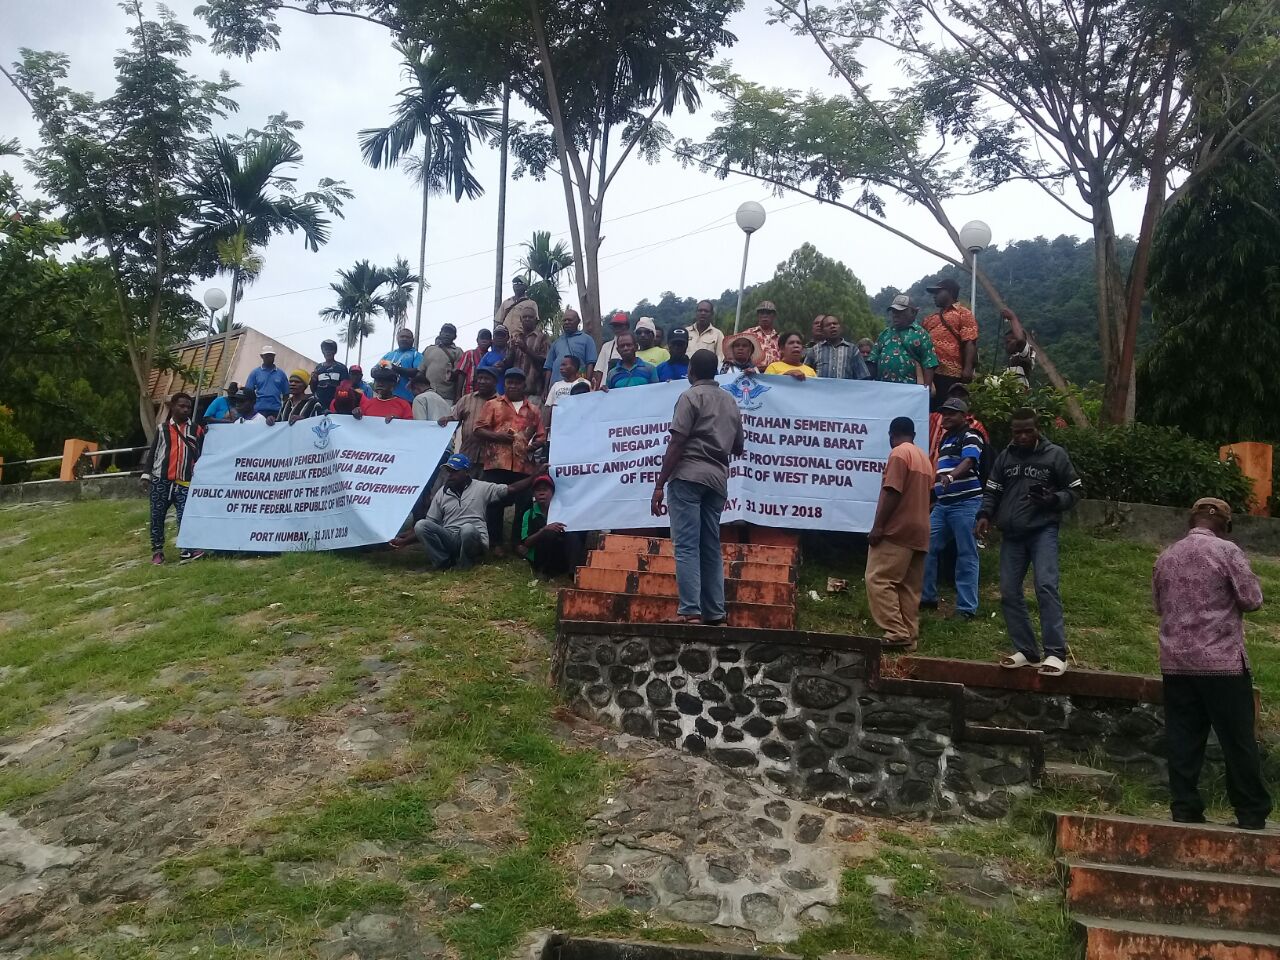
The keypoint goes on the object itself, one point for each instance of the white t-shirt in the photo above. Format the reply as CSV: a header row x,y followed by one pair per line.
x,y
562,389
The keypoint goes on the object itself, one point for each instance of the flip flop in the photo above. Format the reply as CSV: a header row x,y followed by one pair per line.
x,y
1052,667
685,620
1014,661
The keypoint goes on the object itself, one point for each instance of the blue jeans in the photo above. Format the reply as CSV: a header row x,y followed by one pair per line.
x,y
947,522
694,509
1038,550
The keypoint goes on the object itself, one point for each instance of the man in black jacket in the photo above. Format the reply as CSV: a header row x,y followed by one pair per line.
x,y
1031,485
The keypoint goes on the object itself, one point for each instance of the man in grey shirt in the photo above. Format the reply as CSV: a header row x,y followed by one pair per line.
x,y
706,431
454,532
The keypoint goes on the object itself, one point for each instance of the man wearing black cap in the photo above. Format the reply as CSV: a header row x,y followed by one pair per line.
x,y
328,374
384,402
507,315
954,330
903,353
957,492
766,332
677,366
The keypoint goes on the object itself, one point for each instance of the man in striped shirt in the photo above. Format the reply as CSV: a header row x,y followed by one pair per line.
x,y
833,356
957,491
167,471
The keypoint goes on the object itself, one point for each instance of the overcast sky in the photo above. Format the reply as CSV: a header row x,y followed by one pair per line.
x,y
340,76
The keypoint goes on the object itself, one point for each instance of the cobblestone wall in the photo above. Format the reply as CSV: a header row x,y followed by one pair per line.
x,y
812,718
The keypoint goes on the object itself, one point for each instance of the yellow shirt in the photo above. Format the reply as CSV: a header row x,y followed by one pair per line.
x,y
779,367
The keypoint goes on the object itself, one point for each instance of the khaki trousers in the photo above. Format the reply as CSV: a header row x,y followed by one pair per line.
x,y
895,577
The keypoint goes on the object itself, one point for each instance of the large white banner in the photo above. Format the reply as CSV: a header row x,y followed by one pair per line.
x,y
318,484
815,451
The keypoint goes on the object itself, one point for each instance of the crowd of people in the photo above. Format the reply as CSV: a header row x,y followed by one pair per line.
x,y
934,505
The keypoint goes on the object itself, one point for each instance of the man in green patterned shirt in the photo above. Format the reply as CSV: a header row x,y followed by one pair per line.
x,y
903,352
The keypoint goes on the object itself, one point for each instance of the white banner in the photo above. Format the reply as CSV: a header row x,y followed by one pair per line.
x,y
815,452
319,484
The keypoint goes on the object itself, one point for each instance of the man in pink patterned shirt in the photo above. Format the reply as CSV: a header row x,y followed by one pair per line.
x,y
1202,586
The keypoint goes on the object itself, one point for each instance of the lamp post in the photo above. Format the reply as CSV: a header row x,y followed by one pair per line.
x,y
215,300
975,236
751,217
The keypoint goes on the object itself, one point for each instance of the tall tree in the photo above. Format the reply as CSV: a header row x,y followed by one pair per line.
x,y
360,301
544,264
807,284
116,168
1096,96
237,256
434,109
402,285
247,188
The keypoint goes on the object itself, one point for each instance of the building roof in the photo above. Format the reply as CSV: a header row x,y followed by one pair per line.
x,y
229,358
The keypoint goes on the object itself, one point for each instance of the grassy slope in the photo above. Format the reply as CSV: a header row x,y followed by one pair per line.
x,y
79,617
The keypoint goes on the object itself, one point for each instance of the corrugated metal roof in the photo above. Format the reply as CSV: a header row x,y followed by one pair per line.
x,y
222,351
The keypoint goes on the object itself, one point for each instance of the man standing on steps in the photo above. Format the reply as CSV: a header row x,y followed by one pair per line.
x,y
1032,484
1202,585
168,468
706,431
404,361
899,539
954,331
328,374
507,314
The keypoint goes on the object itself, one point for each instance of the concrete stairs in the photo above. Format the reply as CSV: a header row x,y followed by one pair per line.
x,y
631,579
1155,890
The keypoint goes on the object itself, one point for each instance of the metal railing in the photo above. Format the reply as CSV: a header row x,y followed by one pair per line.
x,y
84,463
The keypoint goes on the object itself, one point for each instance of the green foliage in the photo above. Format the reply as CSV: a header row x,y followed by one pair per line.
x,y
1146,464
994,398
809,283
360,301
543,264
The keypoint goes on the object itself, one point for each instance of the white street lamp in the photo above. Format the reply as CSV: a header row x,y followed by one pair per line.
x,y
975,236
215,300
751,217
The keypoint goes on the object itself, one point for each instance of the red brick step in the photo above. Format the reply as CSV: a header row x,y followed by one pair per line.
x,y
1157,895
656,546
1135,940
734,569
624,608
1161,843
664,585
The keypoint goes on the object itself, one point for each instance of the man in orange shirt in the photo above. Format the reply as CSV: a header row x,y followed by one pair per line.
x,y
511,428
954,330
899,539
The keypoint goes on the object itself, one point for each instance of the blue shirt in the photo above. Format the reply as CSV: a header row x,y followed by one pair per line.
x,y
493,361
218,410
638,375
579,345
673,370
270,386
955,447
404,358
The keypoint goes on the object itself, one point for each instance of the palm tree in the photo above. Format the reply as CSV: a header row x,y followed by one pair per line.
x,y
243,189
237,256
402,283
547,263
358,304
434,109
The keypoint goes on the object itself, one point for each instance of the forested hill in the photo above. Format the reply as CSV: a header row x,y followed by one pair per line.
x,y
1050,285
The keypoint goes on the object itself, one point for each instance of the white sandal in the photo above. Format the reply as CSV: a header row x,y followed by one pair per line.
x,y
1052,667
1015,661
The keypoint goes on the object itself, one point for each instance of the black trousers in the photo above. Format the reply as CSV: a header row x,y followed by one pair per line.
x,y
941,384
1191,706
493,517
559,554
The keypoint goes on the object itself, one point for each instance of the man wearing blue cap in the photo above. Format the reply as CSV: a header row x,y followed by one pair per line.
x,y
454,532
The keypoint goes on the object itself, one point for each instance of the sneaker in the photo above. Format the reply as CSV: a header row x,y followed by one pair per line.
x,y
1251,824
1189,819
158,557
188,555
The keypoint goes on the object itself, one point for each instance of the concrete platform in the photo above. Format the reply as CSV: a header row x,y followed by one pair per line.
x,y
1134,940
1135,841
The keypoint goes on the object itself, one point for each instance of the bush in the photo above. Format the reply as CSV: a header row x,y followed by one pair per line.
x,y
14,445
1159,465
992,399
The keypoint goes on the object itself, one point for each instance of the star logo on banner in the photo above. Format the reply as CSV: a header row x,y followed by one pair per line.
x,y
747,392
322,431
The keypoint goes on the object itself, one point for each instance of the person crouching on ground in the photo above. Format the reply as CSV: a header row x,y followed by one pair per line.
x,y
169,465
899,539
1032,484
455,532
1202,585
552,551
706,431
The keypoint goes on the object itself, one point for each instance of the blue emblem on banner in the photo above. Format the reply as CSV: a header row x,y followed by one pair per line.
x,y
322,431
747,392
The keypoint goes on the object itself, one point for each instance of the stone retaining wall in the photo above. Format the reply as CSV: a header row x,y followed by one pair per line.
x,y
1161,526
807,713
121,487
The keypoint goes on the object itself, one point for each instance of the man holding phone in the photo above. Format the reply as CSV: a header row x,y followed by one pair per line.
x,y
1032,484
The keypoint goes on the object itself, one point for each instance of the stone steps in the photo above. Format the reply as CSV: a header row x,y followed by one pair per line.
x,y
1135,940
1146,889
659,546
663,564
778,593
